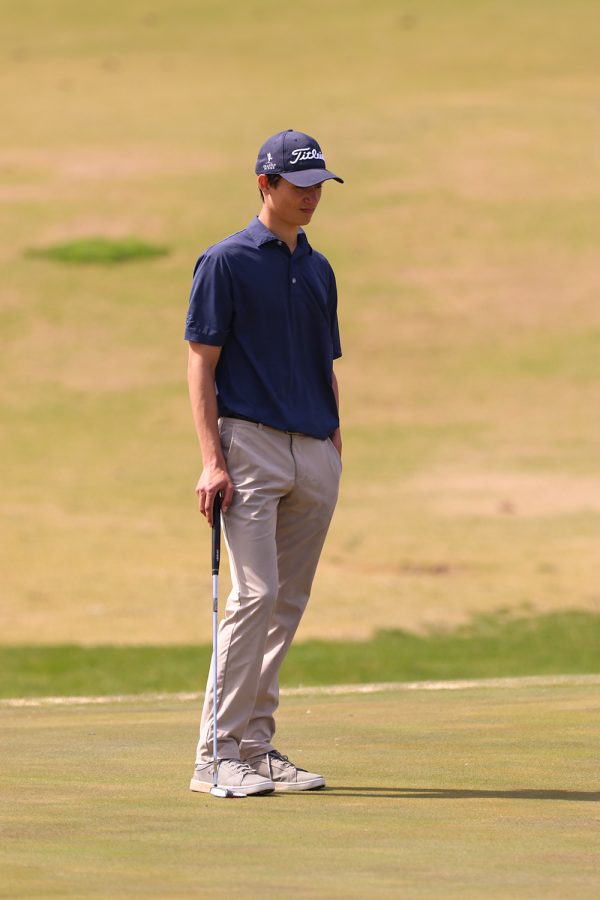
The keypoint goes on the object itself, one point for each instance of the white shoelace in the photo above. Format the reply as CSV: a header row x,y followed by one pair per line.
x,y
239,767
280,756
284,759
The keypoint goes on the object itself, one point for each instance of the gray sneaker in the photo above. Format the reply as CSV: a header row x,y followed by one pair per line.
x,y
284,774
232,775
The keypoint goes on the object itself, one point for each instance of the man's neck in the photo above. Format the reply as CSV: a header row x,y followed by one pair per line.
x,y
286,233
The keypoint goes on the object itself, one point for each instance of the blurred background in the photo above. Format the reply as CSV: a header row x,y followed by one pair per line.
x,y
465,244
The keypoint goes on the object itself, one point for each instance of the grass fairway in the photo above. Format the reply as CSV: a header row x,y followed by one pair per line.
x,y
556,644
467,793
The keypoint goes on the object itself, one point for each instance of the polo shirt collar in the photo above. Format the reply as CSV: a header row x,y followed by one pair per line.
x,y
260,234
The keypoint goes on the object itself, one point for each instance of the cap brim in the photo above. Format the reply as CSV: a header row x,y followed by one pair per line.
x,y
308,177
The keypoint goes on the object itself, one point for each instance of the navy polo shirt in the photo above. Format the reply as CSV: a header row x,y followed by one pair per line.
x,y
274,313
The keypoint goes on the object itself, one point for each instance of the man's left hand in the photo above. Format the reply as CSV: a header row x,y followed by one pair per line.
x,y
336,439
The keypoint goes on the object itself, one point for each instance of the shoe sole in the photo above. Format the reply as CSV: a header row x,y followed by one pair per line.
x,y
316,784
205,787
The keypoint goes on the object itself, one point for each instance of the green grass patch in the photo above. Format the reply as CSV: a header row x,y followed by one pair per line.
x,y
470,793
100,250
490,646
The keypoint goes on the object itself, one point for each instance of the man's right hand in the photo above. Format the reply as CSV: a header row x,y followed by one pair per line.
x,y
212,482
202,364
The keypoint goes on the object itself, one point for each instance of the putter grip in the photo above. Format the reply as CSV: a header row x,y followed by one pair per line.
x,y
216,535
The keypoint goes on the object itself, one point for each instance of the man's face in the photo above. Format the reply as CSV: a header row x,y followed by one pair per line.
x,y
290,204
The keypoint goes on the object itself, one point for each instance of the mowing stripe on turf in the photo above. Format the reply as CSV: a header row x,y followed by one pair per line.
x,y
332,689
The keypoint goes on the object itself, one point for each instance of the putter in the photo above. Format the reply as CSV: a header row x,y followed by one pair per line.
x,y
215,790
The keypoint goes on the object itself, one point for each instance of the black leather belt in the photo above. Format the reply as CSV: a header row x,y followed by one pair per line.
x,y
254,422
243,418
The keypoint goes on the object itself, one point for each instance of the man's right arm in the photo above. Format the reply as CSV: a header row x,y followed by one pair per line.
x,y
202,363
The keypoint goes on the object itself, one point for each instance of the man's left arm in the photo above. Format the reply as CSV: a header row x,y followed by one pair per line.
x,y
336,436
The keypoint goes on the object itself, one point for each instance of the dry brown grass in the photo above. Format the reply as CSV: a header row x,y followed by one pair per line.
x,y
465,246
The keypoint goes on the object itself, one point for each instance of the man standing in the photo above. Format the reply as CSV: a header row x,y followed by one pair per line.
x,y
263,334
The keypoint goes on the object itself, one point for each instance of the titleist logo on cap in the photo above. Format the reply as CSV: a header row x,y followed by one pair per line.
x,y
304,153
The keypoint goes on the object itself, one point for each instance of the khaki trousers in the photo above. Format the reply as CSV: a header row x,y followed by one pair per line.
x,y
286,488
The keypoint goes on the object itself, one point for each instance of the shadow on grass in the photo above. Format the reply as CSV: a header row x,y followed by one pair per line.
x,y
407,793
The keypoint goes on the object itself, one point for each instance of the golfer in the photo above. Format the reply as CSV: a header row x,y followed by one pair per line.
x,y
263,333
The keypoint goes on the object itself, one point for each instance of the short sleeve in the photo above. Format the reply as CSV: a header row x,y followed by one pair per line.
x,y
211,301
333,319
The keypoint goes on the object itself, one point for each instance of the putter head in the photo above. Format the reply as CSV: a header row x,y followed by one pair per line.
x,y
225,793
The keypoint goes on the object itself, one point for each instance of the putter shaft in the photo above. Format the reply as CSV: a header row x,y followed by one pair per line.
x,y
216,559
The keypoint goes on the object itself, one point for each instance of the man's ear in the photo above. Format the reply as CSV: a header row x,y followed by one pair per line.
x,y
263,184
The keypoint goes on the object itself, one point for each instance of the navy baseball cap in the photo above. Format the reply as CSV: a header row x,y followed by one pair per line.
x,y
296,157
